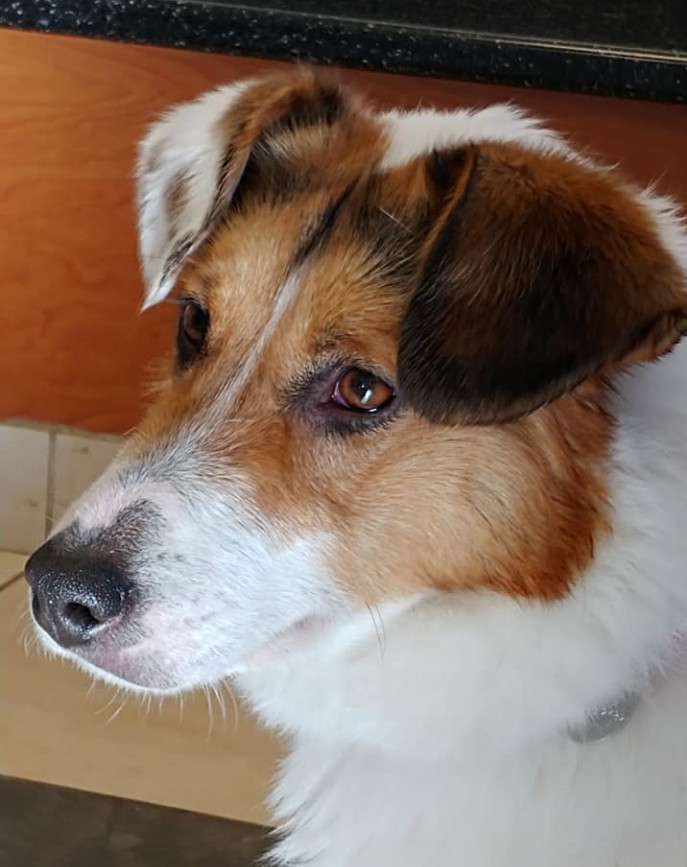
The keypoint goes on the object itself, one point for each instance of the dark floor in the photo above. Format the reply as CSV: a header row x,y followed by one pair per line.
x,y
48,826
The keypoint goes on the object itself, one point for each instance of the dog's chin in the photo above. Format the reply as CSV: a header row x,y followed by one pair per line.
x,y
143,673
143,667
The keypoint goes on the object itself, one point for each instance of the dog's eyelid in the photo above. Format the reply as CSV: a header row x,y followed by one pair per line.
x,y
333,365
183,300
310,394
193,324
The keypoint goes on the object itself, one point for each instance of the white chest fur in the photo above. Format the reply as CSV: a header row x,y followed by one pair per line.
x,y
447,743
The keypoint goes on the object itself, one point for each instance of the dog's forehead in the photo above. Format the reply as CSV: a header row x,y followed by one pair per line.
x,y
246,262
289,268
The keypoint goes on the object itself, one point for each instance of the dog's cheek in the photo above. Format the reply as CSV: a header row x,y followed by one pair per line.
x,y
221,588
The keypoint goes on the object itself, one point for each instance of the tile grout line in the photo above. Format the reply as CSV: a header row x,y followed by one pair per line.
x,y
11,581
50,483
56,427
34,503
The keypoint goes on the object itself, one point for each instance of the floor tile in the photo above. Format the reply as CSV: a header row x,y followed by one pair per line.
x,y
11,565
23,496
55,728
78,461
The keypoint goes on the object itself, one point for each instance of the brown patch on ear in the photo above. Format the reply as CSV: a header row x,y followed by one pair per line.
x,y
417,195
536,273
661,336
390,211
176,199
287,134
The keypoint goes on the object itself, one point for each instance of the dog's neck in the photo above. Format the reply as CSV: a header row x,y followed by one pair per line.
x,y
498,674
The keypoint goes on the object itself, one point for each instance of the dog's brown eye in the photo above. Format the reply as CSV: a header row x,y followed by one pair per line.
x,y
193,326
362,391
194,322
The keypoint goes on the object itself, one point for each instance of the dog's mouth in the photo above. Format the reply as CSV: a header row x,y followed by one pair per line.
x,y
174,659
121,656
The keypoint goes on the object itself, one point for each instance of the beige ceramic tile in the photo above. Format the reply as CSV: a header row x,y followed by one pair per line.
x,y
53,729
23,487
78,461
11,565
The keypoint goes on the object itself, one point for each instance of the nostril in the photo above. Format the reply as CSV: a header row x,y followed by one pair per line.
x,y
79,611
81,617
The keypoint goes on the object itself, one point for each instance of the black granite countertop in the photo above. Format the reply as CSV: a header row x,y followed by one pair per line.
x,y
628,48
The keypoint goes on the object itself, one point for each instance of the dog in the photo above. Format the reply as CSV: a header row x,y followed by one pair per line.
x,y
414,478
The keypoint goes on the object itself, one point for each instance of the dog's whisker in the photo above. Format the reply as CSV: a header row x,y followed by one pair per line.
x,y
220,701
28,639
22,610
108,704
234,703
394,219
117,711
378,624
208,701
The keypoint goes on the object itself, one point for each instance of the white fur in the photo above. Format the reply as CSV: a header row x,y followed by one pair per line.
x,y
433,732
418,132
186,141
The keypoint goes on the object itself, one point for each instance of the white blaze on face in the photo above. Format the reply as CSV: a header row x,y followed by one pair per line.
x,y
216,581
284,300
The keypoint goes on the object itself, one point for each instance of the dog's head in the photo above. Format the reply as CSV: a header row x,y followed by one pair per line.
x,y
388,380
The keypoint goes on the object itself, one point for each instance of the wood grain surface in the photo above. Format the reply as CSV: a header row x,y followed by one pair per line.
x,y
73,349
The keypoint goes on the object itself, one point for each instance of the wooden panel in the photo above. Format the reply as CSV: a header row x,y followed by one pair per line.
x,y
73,349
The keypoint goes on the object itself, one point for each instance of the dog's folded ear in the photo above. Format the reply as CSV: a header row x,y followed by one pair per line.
x,y
204,155
537,272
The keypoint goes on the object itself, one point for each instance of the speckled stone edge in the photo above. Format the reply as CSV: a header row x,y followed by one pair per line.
x,y
278,35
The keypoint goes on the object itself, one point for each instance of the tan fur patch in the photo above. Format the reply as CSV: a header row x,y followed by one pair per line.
x,y
513,507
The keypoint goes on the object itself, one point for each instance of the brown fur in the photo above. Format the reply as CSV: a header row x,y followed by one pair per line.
x,y
516,507
536,274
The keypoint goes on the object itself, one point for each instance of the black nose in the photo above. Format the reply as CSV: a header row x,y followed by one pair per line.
x,y
77,592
